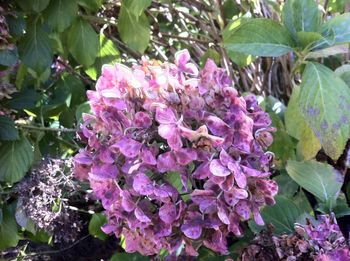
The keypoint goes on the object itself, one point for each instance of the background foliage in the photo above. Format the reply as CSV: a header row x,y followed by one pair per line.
x,y
292,54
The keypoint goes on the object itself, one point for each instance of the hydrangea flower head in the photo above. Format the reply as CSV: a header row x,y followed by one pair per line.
x,y
175,155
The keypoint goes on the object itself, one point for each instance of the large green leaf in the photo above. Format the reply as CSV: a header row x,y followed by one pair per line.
x,y
107,53
134,30
61,13
282,215
340,26
324,101
35,49
8,230
15,159
301,16
320,179
25,99
96,222
7,129
297,127
83,42
35,5
261,37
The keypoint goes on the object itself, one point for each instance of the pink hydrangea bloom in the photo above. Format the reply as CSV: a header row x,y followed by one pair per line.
x,y
175,155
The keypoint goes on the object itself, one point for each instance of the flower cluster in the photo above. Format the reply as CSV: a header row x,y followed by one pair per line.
x,y
41,200
320,240
175,155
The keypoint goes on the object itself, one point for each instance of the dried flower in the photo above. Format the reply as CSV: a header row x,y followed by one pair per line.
x,y
40,197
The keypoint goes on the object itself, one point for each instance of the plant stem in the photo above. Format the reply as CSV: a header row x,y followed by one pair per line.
x,y
31,127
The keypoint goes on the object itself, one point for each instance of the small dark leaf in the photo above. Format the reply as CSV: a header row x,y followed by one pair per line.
x,y
8,130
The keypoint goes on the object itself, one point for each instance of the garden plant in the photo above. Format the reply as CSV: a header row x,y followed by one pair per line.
x,y
175,130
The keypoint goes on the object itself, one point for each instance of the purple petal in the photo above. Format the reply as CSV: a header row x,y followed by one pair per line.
x,y
202,171
185,156
167,213
165,116
129,147
217,169
166,162
83,157
142,119
217,126
243,209
182,57
192,231
140,215
142,184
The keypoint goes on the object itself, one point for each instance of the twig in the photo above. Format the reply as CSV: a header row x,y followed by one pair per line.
x,y
185,38
31,127
59,250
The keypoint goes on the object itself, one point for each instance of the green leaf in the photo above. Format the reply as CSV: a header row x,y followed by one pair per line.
x,y
22,218
333,50
301,16
35,49
25,99
306,39
8,230
320,179
8,130
16,158
82,108
344,73
282,215
210,54
324,99
302,202
286,186
128,257
340,25
240,59
35,5
137,6
83,42
16,24
96,222
61,13
297,127
91,5
134,30
8,57
107,54
69,90
261,37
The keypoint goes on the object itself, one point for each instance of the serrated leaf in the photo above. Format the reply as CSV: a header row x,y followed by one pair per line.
x,y
344,73
282,215
61,13
301,16
324,99
340,25
35,44
107,53
16,158
134,30
260,37
96,222
35,5
8,230
83,42
8,130
320,179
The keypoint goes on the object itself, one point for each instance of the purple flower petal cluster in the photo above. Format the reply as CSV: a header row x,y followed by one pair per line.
x,y
319,240
175,155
